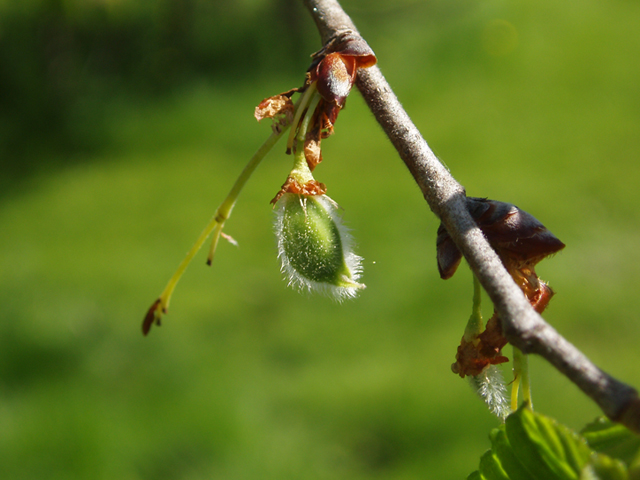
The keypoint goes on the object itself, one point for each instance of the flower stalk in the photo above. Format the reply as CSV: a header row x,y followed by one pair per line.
x,y
214,227
520,379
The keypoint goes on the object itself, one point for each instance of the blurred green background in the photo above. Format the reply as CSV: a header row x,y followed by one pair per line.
x,y
124,123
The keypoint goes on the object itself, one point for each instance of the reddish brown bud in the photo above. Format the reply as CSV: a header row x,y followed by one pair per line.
x,y
335,75
334,67
448,255
356,47
518,238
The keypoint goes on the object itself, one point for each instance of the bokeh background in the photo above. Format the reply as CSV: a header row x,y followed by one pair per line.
x,y
124,123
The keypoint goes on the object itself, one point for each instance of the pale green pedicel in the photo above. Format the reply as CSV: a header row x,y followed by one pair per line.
x,y
330,234
521,379
216,223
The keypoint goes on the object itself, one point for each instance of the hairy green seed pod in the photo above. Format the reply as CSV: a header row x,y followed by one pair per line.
x,y
314,247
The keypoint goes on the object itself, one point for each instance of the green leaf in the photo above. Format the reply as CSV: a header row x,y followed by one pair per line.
x,y
475,476
603,467
530,446
490,467
510,463
547,449
613,439
634,468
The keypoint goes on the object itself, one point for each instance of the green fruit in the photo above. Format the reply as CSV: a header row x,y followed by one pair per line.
x,y
314,247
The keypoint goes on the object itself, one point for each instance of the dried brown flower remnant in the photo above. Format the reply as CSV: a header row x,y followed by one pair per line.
x,y
279,107
476,354
327,84
312,150
291,185
152,316
520,241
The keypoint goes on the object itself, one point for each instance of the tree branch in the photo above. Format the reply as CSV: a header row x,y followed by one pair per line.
x,y
522,326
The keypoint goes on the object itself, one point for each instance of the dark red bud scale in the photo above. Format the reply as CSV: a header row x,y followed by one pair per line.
x,y
348,44
351,45
518,238
336,64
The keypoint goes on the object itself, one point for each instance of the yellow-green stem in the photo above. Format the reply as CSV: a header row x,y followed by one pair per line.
x,y
521,377
301,171
299,110
217,222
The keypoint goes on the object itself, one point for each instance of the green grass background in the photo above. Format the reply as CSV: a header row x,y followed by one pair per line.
x,y
535,103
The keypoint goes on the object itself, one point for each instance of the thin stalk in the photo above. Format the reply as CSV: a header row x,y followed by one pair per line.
x,y
301,171
521,374
224,210
214,227
300,109
475,325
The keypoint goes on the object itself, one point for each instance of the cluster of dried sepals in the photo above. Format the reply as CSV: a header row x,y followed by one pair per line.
x,y
521,242
333,73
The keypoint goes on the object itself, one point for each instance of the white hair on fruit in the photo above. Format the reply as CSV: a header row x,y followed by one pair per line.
x,y
346,269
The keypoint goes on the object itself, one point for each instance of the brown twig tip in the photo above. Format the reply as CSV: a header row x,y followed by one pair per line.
x,y
153,316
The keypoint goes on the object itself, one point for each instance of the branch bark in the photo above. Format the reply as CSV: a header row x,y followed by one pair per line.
x,y
522,326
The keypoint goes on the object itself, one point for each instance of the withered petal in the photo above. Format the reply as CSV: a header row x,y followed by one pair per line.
x,y
291,185
542,297
312,153
328,118
273,106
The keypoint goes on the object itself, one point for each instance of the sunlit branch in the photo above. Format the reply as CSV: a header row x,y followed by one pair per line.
x,y
523,327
